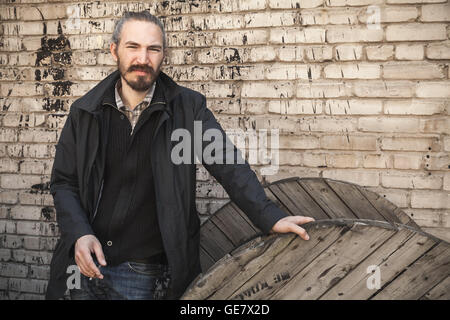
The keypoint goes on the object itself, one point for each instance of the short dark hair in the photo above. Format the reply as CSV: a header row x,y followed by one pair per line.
x,y
138,16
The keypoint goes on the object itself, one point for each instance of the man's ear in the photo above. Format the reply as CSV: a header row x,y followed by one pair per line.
x,y
113,50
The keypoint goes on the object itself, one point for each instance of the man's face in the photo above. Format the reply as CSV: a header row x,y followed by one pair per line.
x,y
140,54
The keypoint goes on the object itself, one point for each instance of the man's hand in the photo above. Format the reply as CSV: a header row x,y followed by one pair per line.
x,y
83,249
291,224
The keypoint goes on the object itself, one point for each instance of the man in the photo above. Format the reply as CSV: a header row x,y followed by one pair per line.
x,y
126,211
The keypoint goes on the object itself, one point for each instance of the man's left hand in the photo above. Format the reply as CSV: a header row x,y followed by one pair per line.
x,y
292,224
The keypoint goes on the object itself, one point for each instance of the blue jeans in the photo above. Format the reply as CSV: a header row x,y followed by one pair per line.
x,y
126,281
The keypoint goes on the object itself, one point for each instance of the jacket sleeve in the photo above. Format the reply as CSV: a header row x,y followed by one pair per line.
x,y
71,217
237,178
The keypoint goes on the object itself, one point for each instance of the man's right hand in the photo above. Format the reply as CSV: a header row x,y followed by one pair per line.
x,y
84,246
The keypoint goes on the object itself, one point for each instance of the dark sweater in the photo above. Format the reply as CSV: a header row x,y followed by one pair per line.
x,y
126,223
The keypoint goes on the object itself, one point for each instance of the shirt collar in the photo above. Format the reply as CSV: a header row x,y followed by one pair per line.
x,y
147,99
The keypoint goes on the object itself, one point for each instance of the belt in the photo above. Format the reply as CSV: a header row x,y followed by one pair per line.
x,y
157,258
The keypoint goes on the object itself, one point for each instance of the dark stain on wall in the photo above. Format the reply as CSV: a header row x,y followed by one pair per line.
x,y
55,54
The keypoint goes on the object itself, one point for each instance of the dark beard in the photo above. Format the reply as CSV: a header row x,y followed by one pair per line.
x,y
141,84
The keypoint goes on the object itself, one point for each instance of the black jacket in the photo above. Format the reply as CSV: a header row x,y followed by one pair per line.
x,y
77,179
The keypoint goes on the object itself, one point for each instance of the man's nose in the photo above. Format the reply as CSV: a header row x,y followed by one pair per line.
x,y
143,57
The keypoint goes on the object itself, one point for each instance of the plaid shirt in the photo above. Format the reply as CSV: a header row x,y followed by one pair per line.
x,y
133,115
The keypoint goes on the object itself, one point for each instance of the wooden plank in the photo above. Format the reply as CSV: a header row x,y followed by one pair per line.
x,y
334,262
388,209
274,198
304,204
359,204
245,217
233,225
231,266
258,283
214,241
205,260
326,198
440,292
399,251
425,273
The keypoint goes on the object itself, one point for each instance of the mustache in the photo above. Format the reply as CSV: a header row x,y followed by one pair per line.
x,y
141,68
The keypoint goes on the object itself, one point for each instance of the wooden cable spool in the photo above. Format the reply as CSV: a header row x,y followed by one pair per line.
x,y
355,229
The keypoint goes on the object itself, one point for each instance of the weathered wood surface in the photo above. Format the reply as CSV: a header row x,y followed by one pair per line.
x,y
332,265
319,198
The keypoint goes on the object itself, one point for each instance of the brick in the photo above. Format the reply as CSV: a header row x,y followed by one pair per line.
x,y
292,71
388,124
398,197
183,56
5,255
429,218
403,161
410,144
352,71
12,44
8,197
8,165
295,106
269,19
438,50
408,181
437,162
35,198
298,142
291,158
313,160
37,228
319,53
103,59
42,12
21,89
415,106
268,89
240,37
254,106
15,181
347,52
446,143
40,272
390,14
8,13
363,178
4,211
380,161
415,32
11,241
28,285
376,88
293,4
343,160
446,185
37,135
340,3
231,72
413,1
23,59
13,270
342,16
433,89
211,22
25,213
246,5
291,53
380,52
258,54
323,89
360,106
348,142
297,35
23,120
430,199
412,70
31,243
328,124
336,34
409,52
435,12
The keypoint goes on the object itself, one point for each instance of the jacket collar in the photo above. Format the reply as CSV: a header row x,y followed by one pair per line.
x,y
103,93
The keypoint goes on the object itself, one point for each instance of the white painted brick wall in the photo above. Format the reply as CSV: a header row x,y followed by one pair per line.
x,y
353,101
